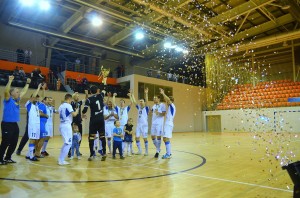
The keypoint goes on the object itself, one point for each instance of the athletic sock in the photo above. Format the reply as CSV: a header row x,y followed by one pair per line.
x,y
64,152
31,151
155,143
138,144
91,146
146,146
168,147
45,145
158,143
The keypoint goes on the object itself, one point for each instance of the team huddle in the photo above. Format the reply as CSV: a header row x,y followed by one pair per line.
x,y
109,125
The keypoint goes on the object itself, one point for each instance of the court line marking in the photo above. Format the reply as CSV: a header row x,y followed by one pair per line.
x,y
226,180
116,180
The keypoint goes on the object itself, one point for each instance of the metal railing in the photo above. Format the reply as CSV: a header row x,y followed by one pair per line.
x,y
14,56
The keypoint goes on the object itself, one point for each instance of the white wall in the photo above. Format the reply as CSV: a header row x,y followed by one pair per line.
x,y
188,102
283,119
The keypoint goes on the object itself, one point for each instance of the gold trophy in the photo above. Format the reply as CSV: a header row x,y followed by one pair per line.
x,y
103,74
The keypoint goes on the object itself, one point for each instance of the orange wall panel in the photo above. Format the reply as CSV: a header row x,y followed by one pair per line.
x,y
7,65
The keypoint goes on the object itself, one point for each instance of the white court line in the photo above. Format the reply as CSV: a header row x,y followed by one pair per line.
x,y
224,180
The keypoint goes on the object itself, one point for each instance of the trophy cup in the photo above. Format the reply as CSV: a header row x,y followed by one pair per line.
x,y
103,74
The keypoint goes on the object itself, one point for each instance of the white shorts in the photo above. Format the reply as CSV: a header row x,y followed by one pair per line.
x,y
34,131
49,130
168,129
66,132
156,129
142,130
109,130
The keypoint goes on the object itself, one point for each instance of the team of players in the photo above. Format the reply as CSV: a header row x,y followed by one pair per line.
x,y
103,114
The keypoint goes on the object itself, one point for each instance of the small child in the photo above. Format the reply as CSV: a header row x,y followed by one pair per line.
x,y
75,141
128,137
117,134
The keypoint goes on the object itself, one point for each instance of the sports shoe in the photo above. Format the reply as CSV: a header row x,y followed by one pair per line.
x,y
139,153
114,157
71,157
166,156
146,154
39,156
3,162
10,161
27,157
78,157
18,152
63,163
34,159
45,153
90,159
122,157
103,158
129,154
156,155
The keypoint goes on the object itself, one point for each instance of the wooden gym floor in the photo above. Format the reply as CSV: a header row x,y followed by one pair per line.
x,y
203,165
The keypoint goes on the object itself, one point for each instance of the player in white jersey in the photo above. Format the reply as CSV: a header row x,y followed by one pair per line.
x,y
122,112
158,112
169,124
142,122
110,115
66,114
33,123
49,124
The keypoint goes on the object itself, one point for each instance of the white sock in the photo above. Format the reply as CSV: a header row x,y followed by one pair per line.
x,y
100,145
30,151
64,152
109,145
158,143
138,144
45,145
168,147
96,140
155,143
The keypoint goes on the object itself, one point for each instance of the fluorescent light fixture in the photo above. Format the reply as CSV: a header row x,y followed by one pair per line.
x,y
44,5
139,35
27,2
96,21
167,45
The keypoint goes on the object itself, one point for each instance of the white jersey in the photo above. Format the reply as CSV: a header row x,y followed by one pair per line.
x,y
65,113
50,111
108,111
123,114
170,115
49,123
33,120
142,115
157,119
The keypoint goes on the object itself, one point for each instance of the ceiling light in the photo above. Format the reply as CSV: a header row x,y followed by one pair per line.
x,y
44,5
139,35
185,51
96,21
27,2
178,49
167,45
